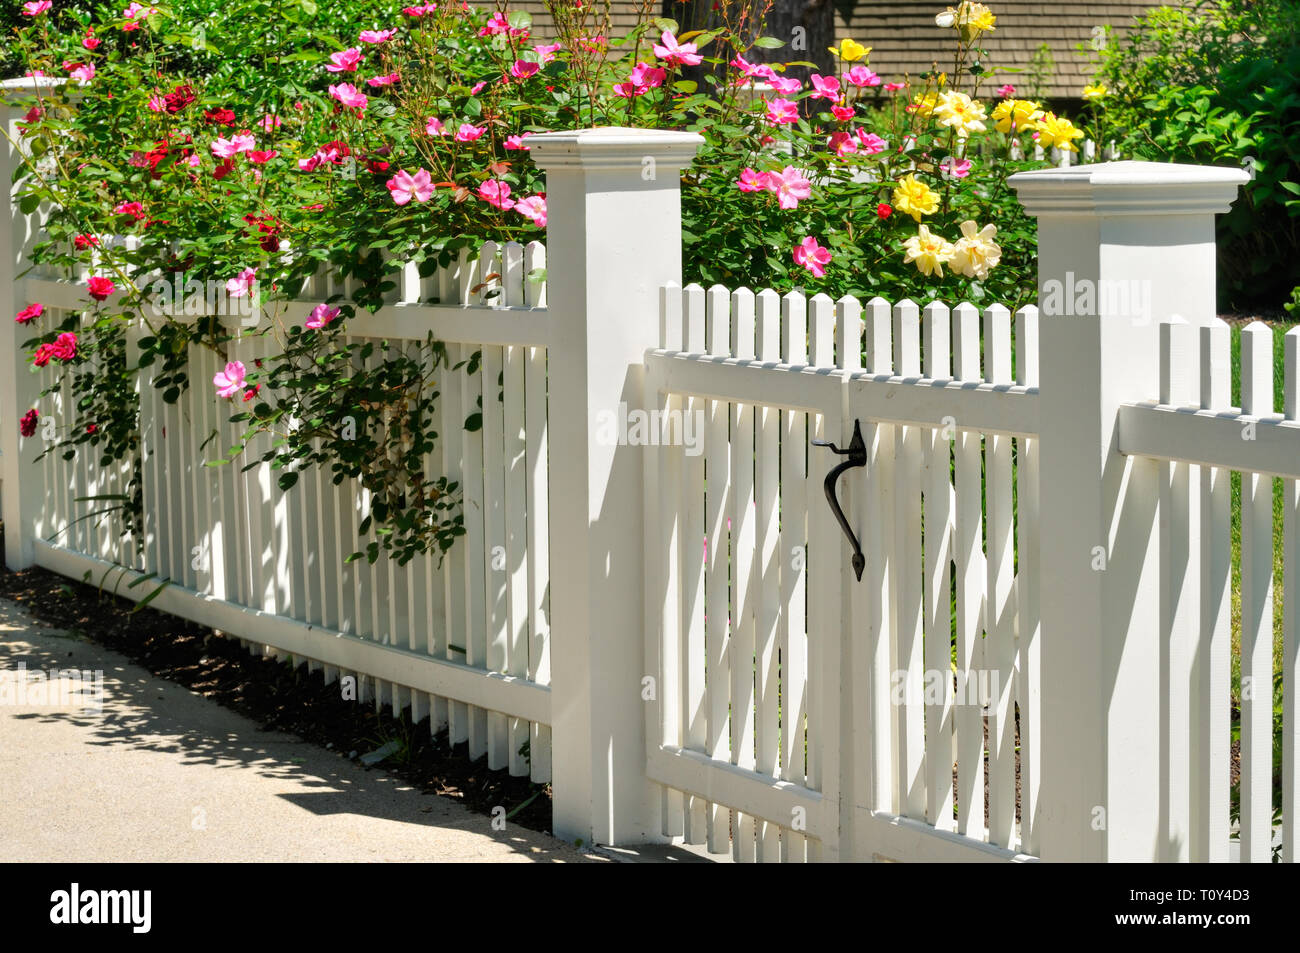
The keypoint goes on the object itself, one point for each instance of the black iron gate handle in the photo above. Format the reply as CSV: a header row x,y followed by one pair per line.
x,y
856,452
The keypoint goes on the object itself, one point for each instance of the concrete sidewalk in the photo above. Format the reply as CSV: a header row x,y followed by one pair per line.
x,y
163,774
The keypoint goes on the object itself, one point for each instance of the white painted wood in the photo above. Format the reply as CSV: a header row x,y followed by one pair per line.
x,y
1256,612
744,593
456,564
717,604
999,624
1108,226
875,777
907,665
768,570
937,486
831,573
1210,710
1028,628
1179,597
596,185
1291,615
969,558
694,652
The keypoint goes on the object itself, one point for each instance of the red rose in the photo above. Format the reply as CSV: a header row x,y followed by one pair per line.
x,y
82,242
27,425
179,98
219,117
884,211
91,428
223,169
99,288
42,355
30,313
64,346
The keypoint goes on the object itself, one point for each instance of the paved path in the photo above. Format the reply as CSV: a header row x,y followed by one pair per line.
x,y
163,774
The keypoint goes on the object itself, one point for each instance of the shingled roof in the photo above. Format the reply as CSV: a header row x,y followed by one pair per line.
x,y
904,38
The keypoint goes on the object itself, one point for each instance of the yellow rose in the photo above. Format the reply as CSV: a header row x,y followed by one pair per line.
x,y
1059,133
930,252
915,198
975,253
1095,91
850,50
960,112
1020,113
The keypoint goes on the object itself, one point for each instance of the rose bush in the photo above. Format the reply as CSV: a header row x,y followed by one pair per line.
x,y
265,143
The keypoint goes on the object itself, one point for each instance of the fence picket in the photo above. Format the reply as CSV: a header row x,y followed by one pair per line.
x,y
999,642
743,590
969,560
908,665
767,492
937,486
695,714
717,507
1291,614
1028,635
1256,611
793,555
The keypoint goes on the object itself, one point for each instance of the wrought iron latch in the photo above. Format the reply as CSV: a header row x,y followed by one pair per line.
x,y
856,453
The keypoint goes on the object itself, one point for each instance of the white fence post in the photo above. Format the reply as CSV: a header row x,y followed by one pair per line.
x,y
1122,247
613,239
19,387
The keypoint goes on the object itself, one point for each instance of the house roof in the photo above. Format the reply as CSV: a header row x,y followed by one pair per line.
x,y
904,38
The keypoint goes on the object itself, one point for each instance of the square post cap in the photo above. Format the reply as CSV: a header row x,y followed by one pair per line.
x,y
612,148
1128,187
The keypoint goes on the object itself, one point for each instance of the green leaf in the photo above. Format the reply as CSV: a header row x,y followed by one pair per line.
x,y
768,43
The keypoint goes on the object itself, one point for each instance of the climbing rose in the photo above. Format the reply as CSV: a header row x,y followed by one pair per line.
x,y
863,76
230,381
349,95
321,315
825,87
785,85
957,168
84,72
496,194
674,53
751,181
228,148
240,285
842,113
790,186
534,209
435,127
406,186
27,425
975,253
842,143
915,198
545,53
99,288
812,256
930,252
345,61
219,117
871,143
35,9
522,69
884,210
782,111
30,313
468,133
64,346
388,80
1007,91
178,99
517,142
377,36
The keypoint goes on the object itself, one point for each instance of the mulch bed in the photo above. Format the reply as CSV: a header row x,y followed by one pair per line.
x,y
271,693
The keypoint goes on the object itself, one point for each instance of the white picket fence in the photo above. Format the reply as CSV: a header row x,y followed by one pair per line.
x,y
677,629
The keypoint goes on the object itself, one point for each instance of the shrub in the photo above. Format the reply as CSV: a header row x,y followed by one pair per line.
x,y
262,144
1219,83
